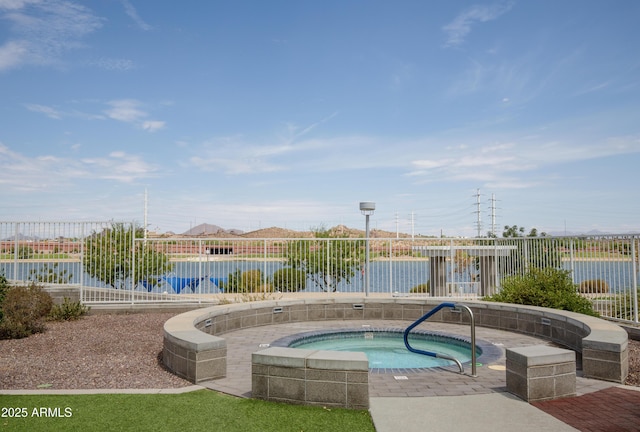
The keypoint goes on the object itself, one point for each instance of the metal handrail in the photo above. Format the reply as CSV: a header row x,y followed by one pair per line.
x,y
444,356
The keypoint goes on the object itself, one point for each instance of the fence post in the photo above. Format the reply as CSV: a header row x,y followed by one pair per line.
x,y
264,265
15,252
133,260
390,266
82,252
635,280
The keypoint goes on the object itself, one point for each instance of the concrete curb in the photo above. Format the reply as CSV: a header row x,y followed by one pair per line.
x,y
101,391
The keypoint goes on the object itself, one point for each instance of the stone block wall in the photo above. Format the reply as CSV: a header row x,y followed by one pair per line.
x,y
539,373
310,377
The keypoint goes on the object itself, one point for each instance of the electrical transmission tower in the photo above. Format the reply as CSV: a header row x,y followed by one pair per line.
x,y
478,213
493,214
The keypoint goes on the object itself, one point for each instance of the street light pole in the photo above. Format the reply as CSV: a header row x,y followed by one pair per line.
x,y
367,209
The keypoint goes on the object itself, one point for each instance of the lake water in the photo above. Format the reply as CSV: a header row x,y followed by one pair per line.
x,y
385,276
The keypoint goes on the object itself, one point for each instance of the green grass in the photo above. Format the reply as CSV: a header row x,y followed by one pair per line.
x,y
194,411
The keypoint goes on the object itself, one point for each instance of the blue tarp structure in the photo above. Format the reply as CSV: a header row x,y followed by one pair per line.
x,y
149,284
179,283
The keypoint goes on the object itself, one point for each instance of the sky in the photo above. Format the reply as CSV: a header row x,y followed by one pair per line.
x,y
253,114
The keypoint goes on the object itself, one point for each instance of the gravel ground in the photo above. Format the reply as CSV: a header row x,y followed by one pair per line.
x,y
95,352
114,352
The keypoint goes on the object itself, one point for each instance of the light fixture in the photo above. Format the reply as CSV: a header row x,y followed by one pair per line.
x,y
367,208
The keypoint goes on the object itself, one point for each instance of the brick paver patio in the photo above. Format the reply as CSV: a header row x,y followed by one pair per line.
x,y
490,377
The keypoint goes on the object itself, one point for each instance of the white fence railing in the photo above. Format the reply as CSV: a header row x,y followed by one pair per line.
x,y
109,264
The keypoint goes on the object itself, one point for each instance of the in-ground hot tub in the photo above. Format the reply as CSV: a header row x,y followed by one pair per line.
x,y
385,349
195,350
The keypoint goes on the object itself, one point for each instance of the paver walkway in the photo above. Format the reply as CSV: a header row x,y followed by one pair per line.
x,y
490,377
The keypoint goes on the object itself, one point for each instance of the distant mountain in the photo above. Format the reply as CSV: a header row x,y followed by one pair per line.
x,y
206,229
21,237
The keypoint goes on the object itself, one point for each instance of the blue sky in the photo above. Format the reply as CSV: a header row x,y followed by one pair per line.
x,y
251,114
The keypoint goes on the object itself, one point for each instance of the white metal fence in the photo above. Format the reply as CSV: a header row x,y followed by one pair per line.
x,y
109,264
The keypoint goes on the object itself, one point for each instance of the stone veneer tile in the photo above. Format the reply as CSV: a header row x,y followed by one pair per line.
x,y
358,377
287,372
210,369
286,388
326,375
259,386
326,392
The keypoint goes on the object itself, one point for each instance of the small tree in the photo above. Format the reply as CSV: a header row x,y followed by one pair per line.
x,y
531,252
50,274
326,261
289,280
110,257
25,252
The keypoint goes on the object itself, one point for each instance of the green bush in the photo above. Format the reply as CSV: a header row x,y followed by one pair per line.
x,y
289,280
243,282
251,281
4,287
420,289
68,311
25,309
548,287
594,286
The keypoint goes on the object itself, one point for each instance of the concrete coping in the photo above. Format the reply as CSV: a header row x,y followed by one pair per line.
x,y
539,355
181,330
600,334
314,359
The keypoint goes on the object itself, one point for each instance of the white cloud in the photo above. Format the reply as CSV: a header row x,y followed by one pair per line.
x,y
234,166
152,125
125,110
48,172
42,31
12,54
458,29
133,14
46,110
15,4
517,163
129,111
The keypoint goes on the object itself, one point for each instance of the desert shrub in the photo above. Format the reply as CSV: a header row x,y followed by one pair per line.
x,y
595,286
289,280
25,310
242,282
251,281
4,287
548,287
68,310
421,289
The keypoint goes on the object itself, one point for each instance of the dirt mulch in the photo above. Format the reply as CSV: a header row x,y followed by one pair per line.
x,y
96,352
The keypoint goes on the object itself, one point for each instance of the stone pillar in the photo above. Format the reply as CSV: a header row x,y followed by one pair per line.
x,y
487,275
438,276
